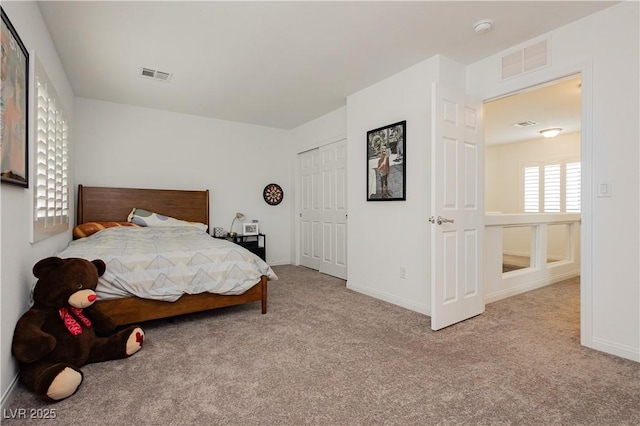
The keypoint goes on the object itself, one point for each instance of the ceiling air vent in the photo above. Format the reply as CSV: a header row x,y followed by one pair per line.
x,y
155,75
526,123
526,59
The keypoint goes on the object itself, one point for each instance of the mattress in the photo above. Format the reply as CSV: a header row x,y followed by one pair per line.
x,y
163,263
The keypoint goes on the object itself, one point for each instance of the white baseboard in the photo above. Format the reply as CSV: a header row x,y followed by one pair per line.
x,y
279,262
7,397
503,294
405,303
614,348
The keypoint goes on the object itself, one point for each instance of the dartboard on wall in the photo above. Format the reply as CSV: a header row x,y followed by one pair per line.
x,y
273,194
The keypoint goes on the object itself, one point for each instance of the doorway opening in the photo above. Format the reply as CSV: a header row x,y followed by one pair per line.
x,y
533,187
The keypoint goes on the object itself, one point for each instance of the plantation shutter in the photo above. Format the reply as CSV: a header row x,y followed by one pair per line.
x,y
51,192
552,187
573,177
532,189
557,191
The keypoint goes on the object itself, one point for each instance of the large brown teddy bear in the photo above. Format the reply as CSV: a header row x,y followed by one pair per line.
x,y
62,331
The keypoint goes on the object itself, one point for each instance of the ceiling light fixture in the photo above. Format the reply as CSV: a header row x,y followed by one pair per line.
x,y
483,26
550,133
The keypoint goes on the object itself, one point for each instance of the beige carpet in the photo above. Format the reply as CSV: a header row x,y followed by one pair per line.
x,y
329,356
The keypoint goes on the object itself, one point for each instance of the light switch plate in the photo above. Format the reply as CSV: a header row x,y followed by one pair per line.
x,y
604,188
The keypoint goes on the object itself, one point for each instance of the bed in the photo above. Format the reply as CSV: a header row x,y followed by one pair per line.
x,y
107,204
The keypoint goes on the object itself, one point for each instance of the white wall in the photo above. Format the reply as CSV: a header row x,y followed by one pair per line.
x,y
384,237
503,163
605,48
321,131
504,185
17,255
126,146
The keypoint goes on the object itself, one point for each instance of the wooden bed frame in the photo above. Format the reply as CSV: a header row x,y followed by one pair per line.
x,y
104,204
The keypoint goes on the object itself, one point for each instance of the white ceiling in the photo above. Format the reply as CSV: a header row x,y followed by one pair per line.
x,y
555,105
277,64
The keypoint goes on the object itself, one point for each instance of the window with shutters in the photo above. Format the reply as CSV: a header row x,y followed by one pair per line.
x,y
552,188
573,177
532,189
51,189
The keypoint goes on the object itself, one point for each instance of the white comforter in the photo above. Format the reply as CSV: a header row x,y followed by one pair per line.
x,y
163,263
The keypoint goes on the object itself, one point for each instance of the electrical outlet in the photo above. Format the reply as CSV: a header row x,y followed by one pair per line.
x,y
403,272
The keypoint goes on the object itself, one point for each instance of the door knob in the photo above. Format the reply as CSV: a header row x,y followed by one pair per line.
x,y
440,220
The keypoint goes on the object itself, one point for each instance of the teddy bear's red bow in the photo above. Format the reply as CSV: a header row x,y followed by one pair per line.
x,y
70,322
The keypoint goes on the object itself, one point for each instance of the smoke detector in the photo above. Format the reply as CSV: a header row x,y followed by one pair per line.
x,y
483,26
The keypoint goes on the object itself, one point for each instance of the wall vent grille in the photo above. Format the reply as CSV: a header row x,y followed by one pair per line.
x,y
526,59
155,75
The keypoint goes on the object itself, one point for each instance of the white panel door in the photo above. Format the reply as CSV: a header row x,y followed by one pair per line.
x,y
310,212
334,209
457,208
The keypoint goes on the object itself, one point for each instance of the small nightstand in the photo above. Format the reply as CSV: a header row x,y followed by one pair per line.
x,y
256,244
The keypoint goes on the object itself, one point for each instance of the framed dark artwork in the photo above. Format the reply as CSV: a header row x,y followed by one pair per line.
x,y
386,155
14,148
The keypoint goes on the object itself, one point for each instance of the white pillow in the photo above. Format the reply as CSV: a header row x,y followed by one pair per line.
x,y
144,217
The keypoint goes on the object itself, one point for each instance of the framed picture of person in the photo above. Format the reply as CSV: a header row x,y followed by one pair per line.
x,y
386,171
14,121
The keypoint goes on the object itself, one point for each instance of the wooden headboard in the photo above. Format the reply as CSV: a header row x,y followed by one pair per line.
x,y
104,204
